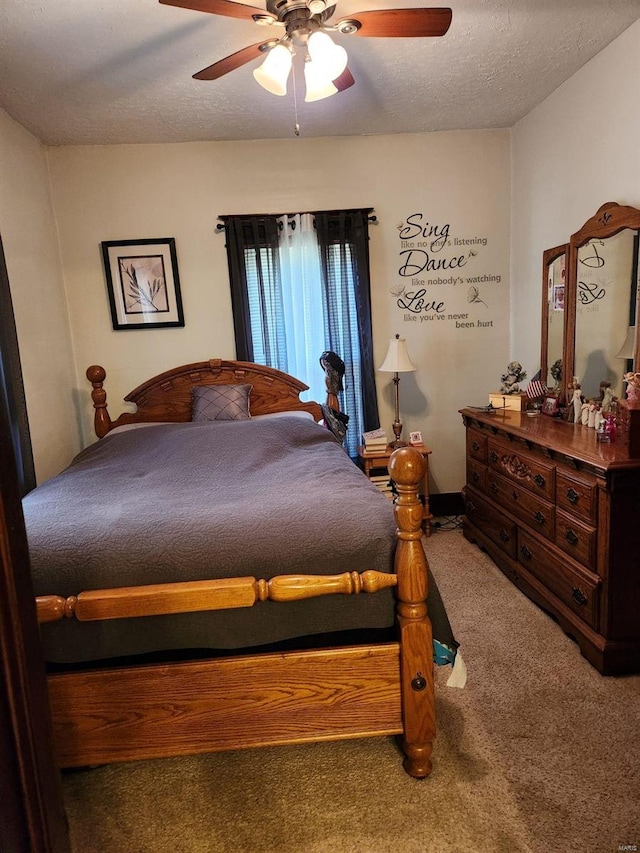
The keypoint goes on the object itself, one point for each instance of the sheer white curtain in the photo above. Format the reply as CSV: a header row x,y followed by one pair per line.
x,y
300,287
304,305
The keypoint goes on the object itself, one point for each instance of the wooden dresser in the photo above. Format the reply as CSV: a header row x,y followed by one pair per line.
x,y
559,513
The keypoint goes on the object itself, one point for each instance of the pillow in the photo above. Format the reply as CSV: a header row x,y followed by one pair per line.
x,y
294,413
220,402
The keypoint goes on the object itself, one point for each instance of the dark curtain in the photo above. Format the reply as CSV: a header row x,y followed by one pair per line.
x,y
343,238
343,251
11,385
254,239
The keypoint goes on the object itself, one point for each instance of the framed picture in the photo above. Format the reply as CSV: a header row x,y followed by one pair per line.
x,y
550,405
415,438
143,283
558,297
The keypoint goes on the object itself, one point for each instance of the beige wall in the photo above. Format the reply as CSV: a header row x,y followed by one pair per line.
x,y
457,182
575,151
30,244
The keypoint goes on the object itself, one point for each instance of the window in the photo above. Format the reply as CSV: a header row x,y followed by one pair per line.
x,y
300,286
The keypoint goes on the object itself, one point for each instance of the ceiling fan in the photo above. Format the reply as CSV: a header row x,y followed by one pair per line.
x,y
306,28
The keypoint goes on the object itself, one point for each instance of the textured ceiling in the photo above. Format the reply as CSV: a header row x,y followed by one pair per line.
x,y
119,71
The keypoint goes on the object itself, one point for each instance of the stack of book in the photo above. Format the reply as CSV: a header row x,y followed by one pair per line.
x,y
375,439
383,483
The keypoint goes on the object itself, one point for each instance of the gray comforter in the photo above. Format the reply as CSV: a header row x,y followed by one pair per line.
x,y
176,502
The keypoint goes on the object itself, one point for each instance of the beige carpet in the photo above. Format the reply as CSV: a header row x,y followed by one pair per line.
x,y
537,753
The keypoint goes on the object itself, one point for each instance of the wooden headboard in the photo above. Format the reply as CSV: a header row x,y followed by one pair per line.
x,y
167,397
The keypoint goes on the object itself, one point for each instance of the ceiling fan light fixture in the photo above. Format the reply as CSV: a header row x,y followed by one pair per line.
x,y
274,72
318,84
327,55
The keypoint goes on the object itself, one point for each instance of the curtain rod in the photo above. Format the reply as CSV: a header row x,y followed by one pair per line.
x,y
370,210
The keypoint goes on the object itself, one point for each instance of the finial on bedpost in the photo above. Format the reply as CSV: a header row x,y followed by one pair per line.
x,y
407,469
101,420
334,369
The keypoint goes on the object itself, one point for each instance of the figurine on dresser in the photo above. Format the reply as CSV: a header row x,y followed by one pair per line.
x,y
606,396
512,378
633,385
575,414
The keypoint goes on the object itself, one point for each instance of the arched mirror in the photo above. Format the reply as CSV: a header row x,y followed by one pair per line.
x,y
602,342
555,264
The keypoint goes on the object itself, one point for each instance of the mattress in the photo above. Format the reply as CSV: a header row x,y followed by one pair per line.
x,y
192,501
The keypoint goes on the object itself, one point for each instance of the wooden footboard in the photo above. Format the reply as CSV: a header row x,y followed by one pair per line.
x,y
407,468
233,703
163,710
192,596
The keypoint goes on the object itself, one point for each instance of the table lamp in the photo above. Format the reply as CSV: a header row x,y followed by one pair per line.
x,y
397,361
627,350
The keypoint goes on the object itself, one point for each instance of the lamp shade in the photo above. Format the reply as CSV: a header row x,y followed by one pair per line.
x,y
397,359
274,71
627,348
327,55
317,84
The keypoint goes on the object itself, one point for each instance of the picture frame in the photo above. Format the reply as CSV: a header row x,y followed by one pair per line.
x,y
550,405
143,284
415,438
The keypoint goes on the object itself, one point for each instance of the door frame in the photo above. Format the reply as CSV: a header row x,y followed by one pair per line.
x,y
34,819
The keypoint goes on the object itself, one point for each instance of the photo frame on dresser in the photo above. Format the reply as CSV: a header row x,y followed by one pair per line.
x,y
143,284
551,405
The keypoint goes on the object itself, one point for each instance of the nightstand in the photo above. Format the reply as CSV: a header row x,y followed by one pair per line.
x,y
375,464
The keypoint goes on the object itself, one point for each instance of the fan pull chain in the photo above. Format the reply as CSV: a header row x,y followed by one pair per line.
x,y
296,127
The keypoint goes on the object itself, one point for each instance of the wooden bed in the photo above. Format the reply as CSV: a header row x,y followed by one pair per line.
x,y
141,711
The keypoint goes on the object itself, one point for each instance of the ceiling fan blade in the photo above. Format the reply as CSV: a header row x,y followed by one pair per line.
x,y
344,81
401,23
230,63
218,7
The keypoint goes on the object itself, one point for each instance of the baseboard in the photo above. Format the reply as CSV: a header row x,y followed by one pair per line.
x,y
449,503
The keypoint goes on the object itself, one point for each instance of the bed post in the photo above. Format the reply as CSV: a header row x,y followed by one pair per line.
x,y
407,469
101,420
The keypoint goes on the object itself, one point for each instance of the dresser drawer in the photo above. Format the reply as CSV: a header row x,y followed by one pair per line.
x,y
530,509
476,445
578,590
527,471
499,529
576,539
477,475
577,497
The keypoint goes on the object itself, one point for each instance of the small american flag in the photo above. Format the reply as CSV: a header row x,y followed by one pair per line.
x,y
536,388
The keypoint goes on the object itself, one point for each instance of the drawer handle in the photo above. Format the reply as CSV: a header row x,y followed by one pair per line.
x,y
475,476
539,517
494,456
579,596
493,487
471,507
572,496
539,480
526,553
475,445
504,535
571,537
515,494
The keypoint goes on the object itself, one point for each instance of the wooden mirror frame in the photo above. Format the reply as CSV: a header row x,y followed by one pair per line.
x,y
609,220
548,257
